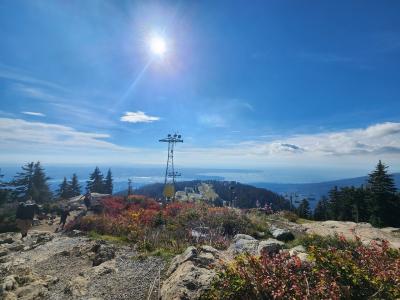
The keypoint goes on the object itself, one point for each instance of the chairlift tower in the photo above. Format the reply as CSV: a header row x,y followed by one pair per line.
x,y
170,172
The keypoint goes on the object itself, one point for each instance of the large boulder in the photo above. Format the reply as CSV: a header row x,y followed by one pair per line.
x,y
269,246
281,234
243,243
190,273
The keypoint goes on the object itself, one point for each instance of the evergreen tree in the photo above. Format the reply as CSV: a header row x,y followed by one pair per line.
x,y
383,202
75,188
95,183
303,211
41,189
334,205
23,183
31,182
64,190
108,183
3,190
321,210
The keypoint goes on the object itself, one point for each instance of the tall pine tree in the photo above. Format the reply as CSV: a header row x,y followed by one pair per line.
x,y
108,183
321,210
64,190
41,189
23,183
383,202
95,184
75,186
303,211
31,182
3,190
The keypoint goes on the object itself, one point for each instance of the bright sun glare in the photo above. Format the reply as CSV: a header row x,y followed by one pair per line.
x,y
158,45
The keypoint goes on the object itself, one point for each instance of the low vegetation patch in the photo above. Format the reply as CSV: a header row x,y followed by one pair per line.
x,y
172,228
338,269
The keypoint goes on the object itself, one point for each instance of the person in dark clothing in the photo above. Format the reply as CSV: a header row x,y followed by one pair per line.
x,y
63,219
24,216
87,200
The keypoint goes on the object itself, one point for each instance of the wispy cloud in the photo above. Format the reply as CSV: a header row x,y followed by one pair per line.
x,y
212,120
138,117
18,132
32,113
23,140
17,75
222,112
62,102
325,57
36,93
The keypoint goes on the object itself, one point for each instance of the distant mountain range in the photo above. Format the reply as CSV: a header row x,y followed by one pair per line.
x,y
316,190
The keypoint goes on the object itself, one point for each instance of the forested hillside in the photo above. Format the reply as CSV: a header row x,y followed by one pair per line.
x,y
246,195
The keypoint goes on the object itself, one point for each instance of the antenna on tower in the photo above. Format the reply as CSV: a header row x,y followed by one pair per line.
x,y
169,188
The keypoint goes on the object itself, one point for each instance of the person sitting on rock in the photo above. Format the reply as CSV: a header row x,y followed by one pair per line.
x,y
24,216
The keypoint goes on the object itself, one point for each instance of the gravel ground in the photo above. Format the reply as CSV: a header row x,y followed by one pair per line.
x,y
70,259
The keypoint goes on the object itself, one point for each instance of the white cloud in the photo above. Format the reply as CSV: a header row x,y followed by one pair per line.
x,y
353,147
18,133
138,117
23,141
32,113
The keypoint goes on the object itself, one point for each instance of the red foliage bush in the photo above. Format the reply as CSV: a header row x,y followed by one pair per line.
x,y
353,271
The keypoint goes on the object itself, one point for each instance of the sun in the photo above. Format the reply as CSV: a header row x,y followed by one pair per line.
x,y
158,45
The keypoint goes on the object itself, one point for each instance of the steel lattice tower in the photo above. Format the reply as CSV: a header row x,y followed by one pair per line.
x,y
170,168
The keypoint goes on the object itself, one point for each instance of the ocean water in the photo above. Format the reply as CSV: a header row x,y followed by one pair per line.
x,y
141,175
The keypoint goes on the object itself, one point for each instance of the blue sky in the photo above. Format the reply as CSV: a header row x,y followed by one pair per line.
x,y
248,84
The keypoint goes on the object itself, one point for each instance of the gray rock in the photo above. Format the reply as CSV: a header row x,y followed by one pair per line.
x,y
281,234
242,237
188,254
244,246
3,251
16,246
296,250
10,283
103,253
190,273
77,287
269,246
6,240
75,233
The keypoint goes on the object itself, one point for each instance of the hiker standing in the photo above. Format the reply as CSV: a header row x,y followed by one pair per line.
x,y
24,216
63,218
87,200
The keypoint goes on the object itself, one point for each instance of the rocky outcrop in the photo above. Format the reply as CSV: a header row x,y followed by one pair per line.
x,y
243,243
281,234
191,273
269,246
365,231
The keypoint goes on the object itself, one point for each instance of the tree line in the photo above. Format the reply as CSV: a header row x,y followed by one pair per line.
x,y
377,202
32,183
